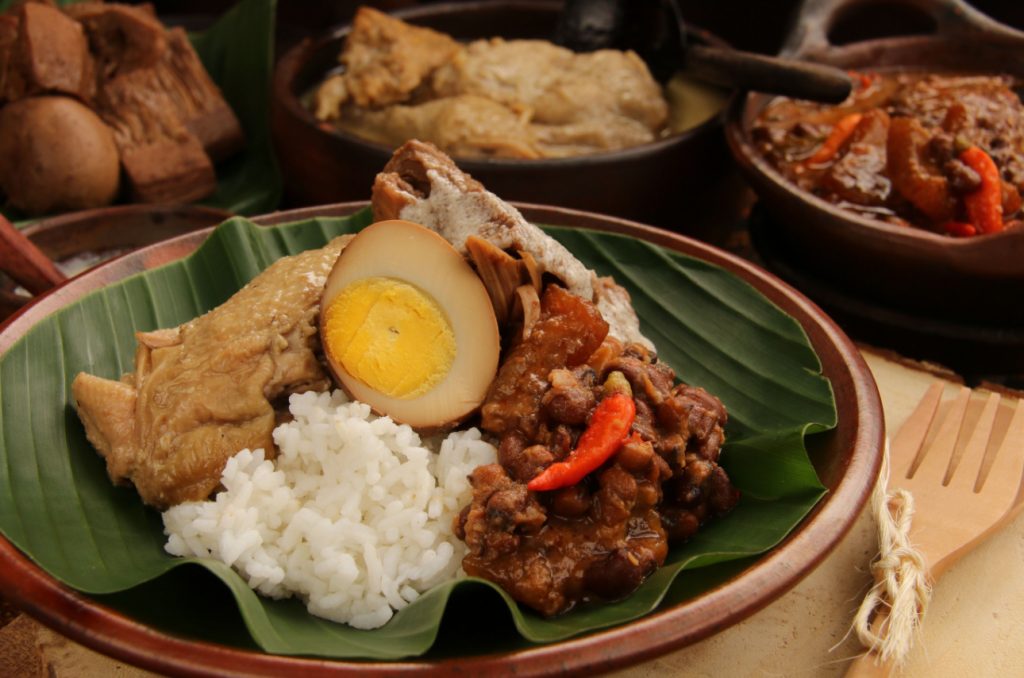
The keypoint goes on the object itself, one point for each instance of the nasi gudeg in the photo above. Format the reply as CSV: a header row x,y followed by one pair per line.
x,y
489,98
602,460
941,152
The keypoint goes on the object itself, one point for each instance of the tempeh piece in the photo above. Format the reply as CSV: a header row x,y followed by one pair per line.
x,y
163,161
51,53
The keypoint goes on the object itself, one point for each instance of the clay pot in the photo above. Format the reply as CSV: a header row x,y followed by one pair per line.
x,y
659,183
907,270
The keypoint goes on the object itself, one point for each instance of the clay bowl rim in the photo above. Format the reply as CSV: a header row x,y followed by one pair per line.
x,y
42,229
123,211
293,63
746,106
771,575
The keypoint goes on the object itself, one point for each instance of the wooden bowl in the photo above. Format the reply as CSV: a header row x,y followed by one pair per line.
x,y
847,460
106,232
659,183
909,269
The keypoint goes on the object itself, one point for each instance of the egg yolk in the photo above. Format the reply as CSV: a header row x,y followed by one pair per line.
x,y
391,336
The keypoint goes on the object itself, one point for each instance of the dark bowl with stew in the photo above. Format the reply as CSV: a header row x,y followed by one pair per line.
x,y
911,273
664,182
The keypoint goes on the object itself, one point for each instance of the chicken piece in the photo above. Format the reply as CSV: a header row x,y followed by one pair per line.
x,y
466,125
492,98
575,103
386,59
423,185
205,390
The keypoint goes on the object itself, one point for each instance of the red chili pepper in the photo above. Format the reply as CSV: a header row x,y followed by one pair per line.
x,y
608,429
984,204
960,229
840,133
864,80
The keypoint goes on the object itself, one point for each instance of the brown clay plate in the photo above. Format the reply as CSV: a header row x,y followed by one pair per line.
x,y
846,459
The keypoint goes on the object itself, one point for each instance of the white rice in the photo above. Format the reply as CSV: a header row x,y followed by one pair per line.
x,y
354,516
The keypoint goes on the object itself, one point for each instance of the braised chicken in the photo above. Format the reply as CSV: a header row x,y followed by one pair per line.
x,y
204,390
492,98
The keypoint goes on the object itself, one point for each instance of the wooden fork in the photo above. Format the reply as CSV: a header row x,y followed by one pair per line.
x,y
961,494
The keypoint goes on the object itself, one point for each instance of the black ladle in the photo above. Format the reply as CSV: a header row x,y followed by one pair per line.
x,y
655,30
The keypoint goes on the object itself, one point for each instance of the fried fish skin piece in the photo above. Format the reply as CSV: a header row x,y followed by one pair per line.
x,y
204,390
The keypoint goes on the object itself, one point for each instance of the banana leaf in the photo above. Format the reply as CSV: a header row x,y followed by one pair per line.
x,y
58,506
238,53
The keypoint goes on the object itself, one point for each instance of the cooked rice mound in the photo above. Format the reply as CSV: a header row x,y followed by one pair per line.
x,y
354,516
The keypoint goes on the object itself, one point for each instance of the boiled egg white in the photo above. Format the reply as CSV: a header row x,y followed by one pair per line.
x,y
408,327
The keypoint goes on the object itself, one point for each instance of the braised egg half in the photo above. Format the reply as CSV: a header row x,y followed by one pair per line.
x,y
407,326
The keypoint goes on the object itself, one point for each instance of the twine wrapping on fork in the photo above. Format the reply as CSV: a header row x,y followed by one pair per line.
x,y
965,483
901,576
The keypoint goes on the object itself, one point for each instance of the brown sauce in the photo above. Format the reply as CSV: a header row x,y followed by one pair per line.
x,y
600,538
901,159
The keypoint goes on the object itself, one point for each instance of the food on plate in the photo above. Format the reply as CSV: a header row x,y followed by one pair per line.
x,y
354,514
407,326
603,460
491,98
204,390
168,120
576,457
56,154
941,152
421,184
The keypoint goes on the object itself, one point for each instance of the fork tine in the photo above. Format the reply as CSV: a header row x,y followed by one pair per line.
x,y
934,461
907,443
967,473
1008,466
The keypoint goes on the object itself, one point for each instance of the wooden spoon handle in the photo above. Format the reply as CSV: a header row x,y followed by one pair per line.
x,y
24,262
869,665
865,666
790,77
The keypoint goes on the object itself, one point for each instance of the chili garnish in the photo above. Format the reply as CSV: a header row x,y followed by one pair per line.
x,y
985,204
608,430
960,229
840,133
864,80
